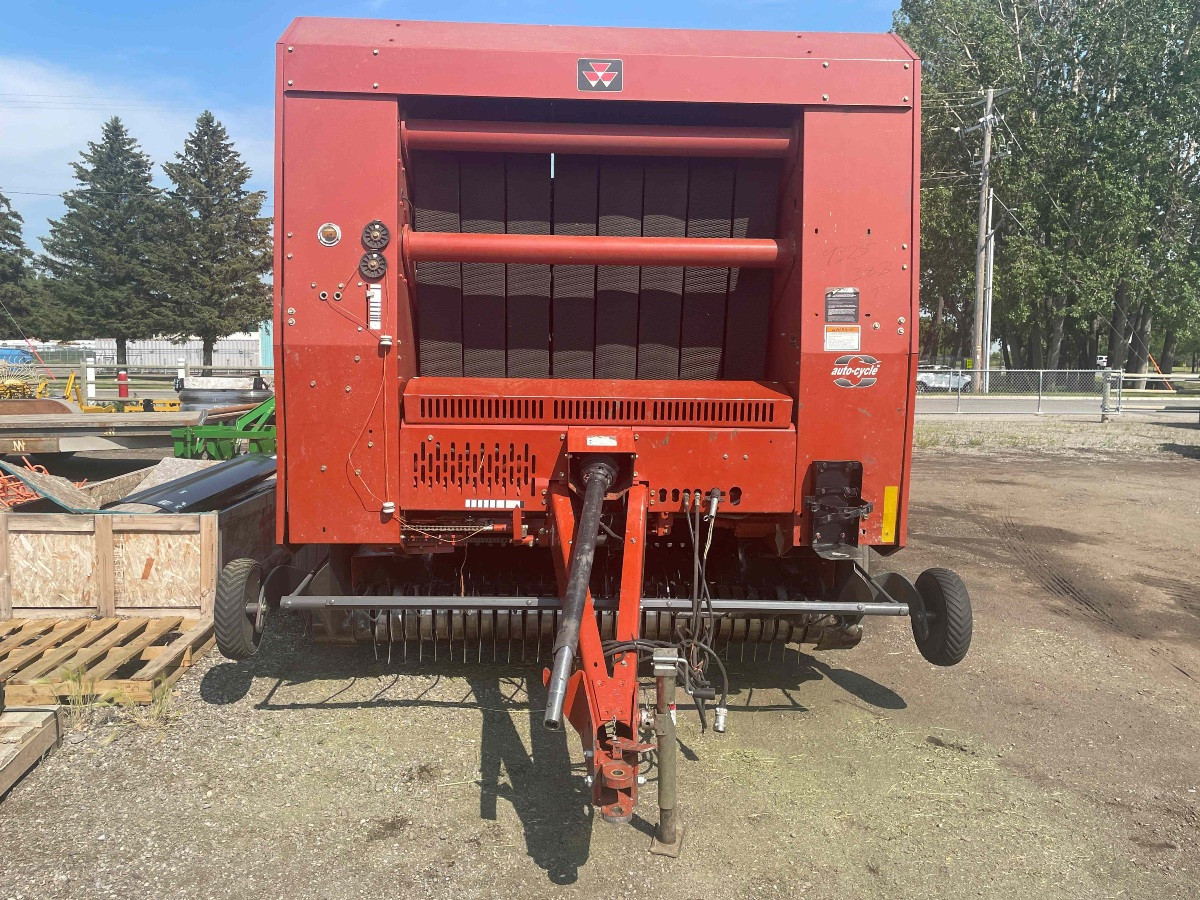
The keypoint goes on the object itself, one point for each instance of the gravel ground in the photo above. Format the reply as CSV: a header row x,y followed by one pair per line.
x,y
1132,433
1058,761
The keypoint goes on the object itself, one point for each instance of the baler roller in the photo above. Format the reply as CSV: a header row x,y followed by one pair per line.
x,y
593,250
600,140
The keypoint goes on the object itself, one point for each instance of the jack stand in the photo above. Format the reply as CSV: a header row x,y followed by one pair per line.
x,y
668,837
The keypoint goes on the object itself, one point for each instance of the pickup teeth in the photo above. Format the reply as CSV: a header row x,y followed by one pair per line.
x,y
526,636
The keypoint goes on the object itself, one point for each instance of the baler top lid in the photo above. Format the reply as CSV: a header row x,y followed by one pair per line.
x,y
372,33
480,60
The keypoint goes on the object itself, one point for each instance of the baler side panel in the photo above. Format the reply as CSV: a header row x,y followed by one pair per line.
x,y
852,234
914,332
340,387
278,318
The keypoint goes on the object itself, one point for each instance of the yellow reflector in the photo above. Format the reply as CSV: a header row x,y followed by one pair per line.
x,y
891,509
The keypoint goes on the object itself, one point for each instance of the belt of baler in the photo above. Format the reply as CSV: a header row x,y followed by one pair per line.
x,y
533,320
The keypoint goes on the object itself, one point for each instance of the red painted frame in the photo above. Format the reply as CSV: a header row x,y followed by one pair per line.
x,y
342,87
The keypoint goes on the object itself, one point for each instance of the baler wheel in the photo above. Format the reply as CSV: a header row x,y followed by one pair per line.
x,y
240,609
947,617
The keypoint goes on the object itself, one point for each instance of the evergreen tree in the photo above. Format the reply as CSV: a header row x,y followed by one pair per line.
x,y
14,255
24,296
215,246
99,251
14,266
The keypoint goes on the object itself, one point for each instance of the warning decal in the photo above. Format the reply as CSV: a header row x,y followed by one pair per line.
x,y
599,74
841,305
841,338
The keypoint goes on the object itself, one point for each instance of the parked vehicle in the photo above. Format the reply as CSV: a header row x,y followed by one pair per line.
x,y
941,378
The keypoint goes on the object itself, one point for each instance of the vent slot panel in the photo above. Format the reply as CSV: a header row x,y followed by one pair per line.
x,y
471,467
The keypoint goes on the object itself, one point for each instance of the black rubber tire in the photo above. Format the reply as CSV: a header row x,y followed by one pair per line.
x,y
238,584
948,609
922,387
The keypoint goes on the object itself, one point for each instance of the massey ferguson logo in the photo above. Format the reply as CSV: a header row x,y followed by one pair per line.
x,y
855,371
600,75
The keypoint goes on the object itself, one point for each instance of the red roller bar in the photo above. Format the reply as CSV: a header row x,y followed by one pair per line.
x,y
605,140
435,246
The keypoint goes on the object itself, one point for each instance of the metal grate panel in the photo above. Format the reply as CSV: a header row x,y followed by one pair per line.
x,y
450,401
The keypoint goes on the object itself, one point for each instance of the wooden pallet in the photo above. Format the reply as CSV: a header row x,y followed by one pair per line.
x,y
26,735
47,660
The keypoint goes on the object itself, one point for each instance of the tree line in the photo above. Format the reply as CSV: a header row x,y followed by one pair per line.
x,y
1098,188
129,260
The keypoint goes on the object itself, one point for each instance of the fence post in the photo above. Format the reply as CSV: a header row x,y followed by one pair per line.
x,y
958,402
1120,389
1041,374
181,368
1105,393
89,377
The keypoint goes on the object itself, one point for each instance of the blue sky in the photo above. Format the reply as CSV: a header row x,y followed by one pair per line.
x,y
65,67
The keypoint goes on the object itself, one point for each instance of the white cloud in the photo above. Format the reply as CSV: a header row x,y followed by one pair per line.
x,y
49,112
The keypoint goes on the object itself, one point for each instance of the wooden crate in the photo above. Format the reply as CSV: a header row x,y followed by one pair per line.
x,y
26,735
46,660
158,564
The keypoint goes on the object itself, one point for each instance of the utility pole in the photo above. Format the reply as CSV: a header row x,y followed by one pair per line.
x,y
987,300
981,241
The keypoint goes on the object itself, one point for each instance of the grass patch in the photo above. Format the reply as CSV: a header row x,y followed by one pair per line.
x,y
158,713
81,700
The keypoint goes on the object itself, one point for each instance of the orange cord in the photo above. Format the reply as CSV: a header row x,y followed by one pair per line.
x,y
14,492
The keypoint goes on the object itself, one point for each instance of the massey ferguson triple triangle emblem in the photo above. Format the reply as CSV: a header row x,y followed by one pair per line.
x,y
600,75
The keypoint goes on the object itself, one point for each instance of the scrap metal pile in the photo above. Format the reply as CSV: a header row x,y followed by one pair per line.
x,y
599,344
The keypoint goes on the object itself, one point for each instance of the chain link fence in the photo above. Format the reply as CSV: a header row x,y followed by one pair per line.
x,y
148,354
1020,391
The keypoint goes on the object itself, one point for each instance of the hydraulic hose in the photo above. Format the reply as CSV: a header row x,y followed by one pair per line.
x,y
598,476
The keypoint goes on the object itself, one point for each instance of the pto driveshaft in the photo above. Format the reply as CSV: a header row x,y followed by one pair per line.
x,y
598,476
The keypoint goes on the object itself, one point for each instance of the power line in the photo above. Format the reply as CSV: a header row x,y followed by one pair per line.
x,y
86,190
265,206
68,96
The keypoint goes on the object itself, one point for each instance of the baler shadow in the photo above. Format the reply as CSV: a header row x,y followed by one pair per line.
x,y
787,669
535,776
548,798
